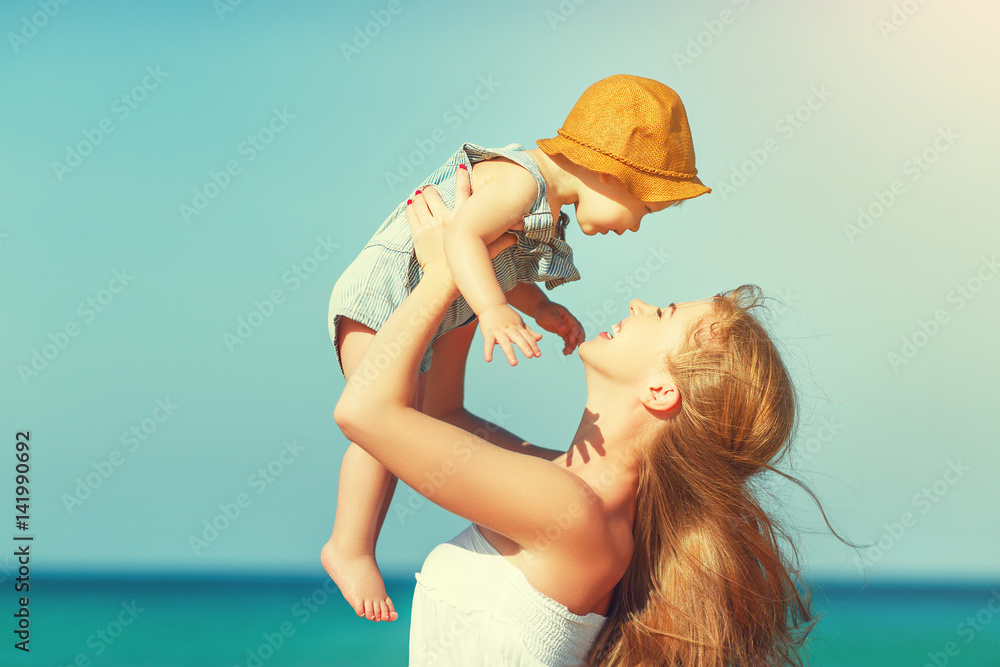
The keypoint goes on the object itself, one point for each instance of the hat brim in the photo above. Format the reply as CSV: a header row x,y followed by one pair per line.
x,y
643,185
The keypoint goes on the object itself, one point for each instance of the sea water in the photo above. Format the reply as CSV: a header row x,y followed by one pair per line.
x,y
266,622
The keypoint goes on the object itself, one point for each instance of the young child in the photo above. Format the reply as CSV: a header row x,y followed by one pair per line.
x,y
624,151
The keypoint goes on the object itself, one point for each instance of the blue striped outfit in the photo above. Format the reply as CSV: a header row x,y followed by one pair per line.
x,y
386,270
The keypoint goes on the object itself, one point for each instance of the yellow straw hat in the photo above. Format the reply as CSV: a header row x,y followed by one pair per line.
x,y
636,130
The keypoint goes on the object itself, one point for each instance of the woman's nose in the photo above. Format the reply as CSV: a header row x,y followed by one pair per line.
x,y
636,306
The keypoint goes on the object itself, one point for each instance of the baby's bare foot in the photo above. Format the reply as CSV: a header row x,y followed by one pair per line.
x,y
360,582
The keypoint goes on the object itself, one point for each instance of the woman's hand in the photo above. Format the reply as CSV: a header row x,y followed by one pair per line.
x,y
428,216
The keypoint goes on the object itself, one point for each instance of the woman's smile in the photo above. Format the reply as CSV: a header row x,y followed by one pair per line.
x,y
612,332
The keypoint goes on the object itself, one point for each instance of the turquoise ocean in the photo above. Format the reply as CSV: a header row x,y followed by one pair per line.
x,y
258,622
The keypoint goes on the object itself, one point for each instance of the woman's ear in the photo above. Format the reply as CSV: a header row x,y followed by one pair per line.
x,y
660,394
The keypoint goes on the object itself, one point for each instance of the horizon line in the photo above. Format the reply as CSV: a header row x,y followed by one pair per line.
x,y
936,581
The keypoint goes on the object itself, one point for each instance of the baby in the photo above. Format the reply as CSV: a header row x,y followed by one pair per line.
x,y
624,151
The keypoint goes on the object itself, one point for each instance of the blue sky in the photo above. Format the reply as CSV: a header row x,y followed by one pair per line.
x,y
170,169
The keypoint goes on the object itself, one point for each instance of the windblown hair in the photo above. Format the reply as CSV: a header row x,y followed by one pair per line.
x,y
708,584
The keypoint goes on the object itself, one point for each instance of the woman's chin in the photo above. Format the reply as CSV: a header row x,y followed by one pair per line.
x,y
586,347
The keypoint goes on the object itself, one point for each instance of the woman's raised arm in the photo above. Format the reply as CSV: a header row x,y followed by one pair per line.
x,y
513,494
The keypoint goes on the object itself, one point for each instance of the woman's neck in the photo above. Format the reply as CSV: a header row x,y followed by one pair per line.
x,y
604,453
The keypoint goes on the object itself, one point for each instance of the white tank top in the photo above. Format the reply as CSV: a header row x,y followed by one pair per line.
x,y
472,607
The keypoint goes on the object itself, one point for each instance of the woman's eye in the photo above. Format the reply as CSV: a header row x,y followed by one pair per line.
x,y
659,313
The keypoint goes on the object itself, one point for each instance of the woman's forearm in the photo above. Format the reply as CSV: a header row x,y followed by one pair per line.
x,y
386,373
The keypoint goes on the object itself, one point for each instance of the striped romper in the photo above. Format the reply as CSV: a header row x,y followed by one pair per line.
x,y
386,270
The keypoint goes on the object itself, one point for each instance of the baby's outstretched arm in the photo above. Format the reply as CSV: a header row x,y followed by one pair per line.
x,y
499,204
531,300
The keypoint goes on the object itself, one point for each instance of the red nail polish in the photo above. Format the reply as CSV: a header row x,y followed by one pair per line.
x,y
417,192
461,166
409,201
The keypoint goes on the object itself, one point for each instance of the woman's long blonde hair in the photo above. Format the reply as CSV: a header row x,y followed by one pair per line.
x,y
708,584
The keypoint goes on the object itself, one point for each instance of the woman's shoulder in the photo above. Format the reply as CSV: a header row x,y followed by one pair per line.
x,y
591,527
605,541
583,571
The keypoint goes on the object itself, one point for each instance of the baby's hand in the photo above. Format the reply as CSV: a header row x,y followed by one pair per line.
x,y
555,318
502,325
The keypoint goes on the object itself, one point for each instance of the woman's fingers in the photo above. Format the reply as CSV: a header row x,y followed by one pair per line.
x,y
411,216
463,185
417,213
433,202
425,230
430,208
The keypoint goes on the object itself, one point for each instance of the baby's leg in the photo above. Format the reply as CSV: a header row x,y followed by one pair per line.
x,y
363,497
366,487
444,390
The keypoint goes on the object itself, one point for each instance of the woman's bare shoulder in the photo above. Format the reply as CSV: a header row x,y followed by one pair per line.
x,y
579,567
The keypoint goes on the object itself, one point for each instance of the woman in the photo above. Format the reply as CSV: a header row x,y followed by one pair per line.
x,y
642,543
